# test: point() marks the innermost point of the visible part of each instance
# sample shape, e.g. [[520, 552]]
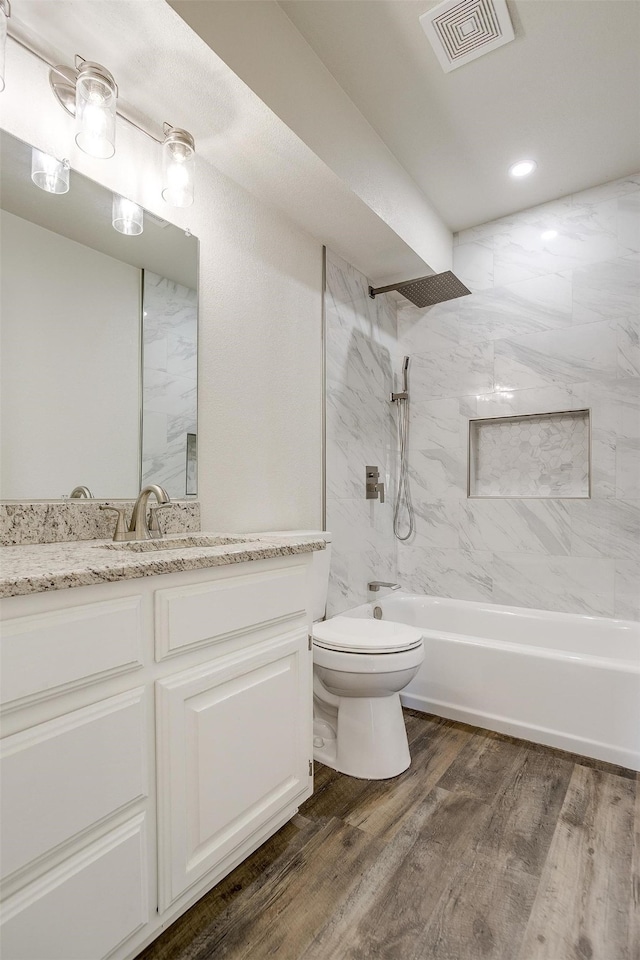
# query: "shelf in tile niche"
[[538, 455]]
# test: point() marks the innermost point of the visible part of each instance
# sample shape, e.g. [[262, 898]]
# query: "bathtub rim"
[[538, 612]]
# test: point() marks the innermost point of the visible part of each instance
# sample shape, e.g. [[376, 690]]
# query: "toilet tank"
[[318, 583], [319, 578]]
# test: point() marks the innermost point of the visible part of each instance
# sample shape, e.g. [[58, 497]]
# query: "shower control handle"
[[374, 488]]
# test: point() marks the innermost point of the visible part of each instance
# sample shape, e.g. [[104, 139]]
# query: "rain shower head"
[[426, 291]]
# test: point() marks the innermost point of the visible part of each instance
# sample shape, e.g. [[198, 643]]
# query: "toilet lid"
[[352, 635]]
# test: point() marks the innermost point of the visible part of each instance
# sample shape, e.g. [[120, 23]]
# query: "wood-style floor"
[[487, 848]]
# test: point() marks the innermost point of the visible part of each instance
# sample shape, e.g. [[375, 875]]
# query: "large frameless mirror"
[[99, 342]]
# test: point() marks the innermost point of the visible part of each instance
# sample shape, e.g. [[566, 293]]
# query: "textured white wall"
[[260, 315], [255, 38], [70, 366]]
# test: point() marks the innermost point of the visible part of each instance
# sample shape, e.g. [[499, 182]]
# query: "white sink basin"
[[173, 543]]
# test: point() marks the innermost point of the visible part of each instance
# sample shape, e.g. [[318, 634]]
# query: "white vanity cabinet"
[[155, 731]]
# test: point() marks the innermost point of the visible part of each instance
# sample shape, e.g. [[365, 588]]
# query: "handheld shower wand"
[[405, 383], [403, 495]]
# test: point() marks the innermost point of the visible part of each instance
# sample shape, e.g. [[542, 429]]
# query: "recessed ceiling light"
[[549, 234], [522, 168]]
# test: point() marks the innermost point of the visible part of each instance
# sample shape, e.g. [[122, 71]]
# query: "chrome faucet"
[[79, 492], [375, 585], [139, 528]]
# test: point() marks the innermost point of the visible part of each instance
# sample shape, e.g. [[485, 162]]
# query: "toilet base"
[[370, 741]]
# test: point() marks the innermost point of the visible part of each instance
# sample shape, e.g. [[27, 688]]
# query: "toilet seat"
[[355, 635]]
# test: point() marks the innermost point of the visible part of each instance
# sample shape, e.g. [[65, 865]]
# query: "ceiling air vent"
[[462, 30]]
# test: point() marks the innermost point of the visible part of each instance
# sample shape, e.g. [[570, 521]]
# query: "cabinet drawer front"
[[61, 777], [208, 612], [233, 750], [44, 653], [84, 908]]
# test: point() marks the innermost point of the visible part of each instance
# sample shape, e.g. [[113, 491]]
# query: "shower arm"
[[374, 291]]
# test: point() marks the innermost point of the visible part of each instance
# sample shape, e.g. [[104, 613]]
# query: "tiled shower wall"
[[553, 325], [361, 342]]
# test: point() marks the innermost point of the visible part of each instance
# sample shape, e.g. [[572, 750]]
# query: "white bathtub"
[[565, 680]]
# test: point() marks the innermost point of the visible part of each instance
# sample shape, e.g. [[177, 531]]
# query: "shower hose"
[[403, 515]]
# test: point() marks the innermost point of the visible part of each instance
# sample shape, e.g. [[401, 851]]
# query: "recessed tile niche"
[[544, 455]]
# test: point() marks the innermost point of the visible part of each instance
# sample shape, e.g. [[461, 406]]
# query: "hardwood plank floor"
[[582, 906], [487, 848]]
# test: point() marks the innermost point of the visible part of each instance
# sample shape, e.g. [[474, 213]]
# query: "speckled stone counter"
[[35, 568]]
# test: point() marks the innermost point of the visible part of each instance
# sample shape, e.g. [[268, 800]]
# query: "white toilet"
[[359, 668]]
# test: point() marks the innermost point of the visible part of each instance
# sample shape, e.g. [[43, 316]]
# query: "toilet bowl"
[[360, 667]]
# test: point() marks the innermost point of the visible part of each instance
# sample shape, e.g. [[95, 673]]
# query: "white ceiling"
[[565, 92]]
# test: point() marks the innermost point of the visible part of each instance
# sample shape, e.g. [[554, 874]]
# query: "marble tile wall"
[[553, 324], [361, 343], [170, 371]]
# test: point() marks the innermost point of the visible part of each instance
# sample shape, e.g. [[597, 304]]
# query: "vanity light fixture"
[[48, 173], [5, 13], [127, 216], [522, 168], [90, 94], [178, 166]]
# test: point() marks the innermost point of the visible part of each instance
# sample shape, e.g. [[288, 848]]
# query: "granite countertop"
[[35, 568]]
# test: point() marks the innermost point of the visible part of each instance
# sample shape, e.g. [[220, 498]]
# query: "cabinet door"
[[85, 907], [234, 742], [64, 776]]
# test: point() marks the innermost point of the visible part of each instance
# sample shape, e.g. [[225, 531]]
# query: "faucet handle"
[[154, 528], [120, 532]]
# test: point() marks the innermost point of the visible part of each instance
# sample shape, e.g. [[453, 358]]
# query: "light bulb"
[[522, 168], [178, 167], [48, 173], [96, 99], [127, 216]]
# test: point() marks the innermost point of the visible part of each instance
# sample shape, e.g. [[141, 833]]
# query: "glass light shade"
[[96, 98], [4, 16], [48, 173], [178, 168], [127, 216]]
